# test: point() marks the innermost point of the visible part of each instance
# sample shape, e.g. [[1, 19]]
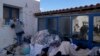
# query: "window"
[[64, 25], [96, 32], [41, 24], [6, 14], [80, 27], [9, 13], [52, 24]]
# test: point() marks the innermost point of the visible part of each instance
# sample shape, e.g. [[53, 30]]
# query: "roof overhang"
[[69, 10]]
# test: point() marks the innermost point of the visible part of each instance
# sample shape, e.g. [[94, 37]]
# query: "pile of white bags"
[[35, 49], [44, 39], [94, 51], [41, 40]]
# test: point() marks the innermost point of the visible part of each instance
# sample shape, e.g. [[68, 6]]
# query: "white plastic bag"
[[44, 38], [39, 37], [93, 52], [53, 51], [35, 49]]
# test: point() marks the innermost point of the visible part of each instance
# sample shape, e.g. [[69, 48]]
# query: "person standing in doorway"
[[77, 30], [18, 27], [84, 30], [99, 29], [96, 29]]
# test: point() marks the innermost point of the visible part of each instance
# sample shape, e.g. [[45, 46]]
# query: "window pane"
[[96, 33], [52, 24], [80, 27], [41, 24], [15, 13], [64, 25], [6, 14]]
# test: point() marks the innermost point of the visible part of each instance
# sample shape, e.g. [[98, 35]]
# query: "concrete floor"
[[18, 52]]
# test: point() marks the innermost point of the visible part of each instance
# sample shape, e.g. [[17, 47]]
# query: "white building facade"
[[23, 10]]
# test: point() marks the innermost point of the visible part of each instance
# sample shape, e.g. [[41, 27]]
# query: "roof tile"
[[68, 10]]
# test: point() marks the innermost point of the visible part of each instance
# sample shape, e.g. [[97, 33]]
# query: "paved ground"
[[18, 52]]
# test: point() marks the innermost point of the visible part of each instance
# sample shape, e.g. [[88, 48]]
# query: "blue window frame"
[[48, 21], [88, 42], [95, 42], [12, 12]]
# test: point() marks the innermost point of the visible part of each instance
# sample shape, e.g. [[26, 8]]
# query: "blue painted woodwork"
[[89, 43]]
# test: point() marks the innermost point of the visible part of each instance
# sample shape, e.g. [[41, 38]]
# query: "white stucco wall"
[[6, 37], [26, 16], [1, 10], [26, 13]]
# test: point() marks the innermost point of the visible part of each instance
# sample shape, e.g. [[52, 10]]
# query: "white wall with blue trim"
[[26, 15]]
